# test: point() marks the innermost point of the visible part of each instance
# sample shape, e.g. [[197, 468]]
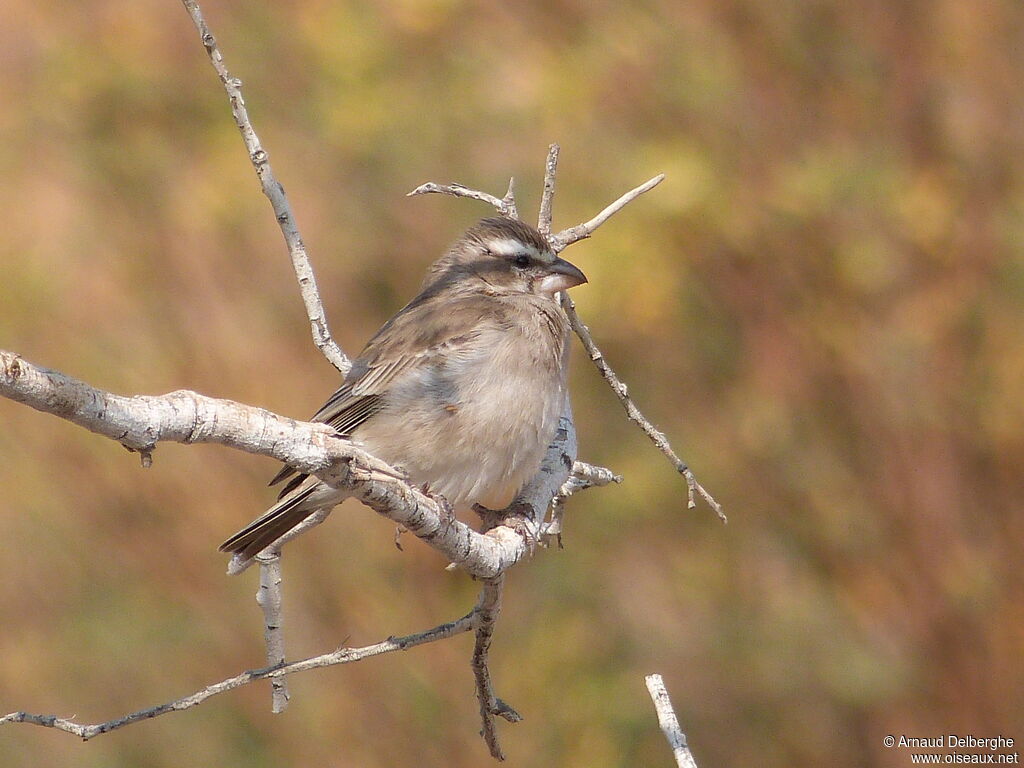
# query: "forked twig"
[[340, 656], [583, 476], [567, 237], [622, 393], [563, 240]]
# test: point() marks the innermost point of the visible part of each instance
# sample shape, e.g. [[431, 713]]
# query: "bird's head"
[[504, 256]]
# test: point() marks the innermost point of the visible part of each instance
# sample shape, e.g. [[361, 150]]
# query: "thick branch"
[[140, 422], [275, 193], [340, 656]]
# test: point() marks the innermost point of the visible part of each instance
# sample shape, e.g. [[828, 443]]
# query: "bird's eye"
[[522, 260]]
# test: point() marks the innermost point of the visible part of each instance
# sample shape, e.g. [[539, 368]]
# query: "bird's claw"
[[518, 516], [445, 506]]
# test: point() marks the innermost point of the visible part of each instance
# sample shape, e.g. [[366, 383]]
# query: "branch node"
[[503, 710]]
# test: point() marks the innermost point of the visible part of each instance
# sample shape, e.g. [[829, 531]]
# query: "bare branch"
[[487, 610], [275, 193], [140, 422], [567, 237], [505, 207], [550, 168], [269, 598], [510, 199], [622, 392], [583, 476], [669, 723], [269, 595], [340, 656]]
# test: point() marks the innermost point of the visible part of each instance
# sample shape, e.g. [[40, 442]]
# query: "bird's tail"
[[274, 523]]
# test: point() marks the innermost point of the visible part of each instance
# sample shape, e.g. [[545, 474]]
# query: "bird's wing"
[[423, 333]]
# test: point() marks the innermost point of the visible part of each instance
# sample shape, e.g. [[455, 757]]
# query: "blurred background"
[[822, 306]]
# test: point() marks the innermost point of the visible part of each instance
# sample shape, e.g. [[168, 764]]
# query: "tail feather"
[[286, 471], [271, 525], [291, 485]]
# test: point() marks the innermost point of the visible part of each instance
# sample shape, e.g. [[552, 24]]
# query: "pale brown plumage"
[[462, 389]]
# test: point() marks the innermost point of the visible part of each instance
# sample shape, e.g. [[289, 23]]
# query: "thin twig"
[[583, 476], [509, 199], [340, 656], [669, 723], [487, 610], [586, 475], [547, 196], [275, 193], [567, 237], [270, 599], [622, 392], [505, 207]]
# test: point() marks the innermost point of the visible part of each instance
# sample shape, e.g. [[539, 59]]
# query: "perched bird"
[[462, 389]]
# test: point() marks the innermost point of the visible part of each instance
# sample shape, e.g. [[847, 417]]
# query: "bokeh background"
[[823, 307]]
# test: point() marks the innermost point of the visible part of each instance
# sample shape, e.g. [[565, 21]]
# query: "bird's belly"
[[475, 435]]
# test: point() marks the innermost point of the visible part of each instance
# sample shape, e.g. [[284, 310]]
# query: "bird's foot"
[[445, 506], [518, 516]]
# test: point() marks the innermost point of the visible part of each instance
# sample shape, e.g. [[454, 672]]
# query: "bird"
[[461, 390]]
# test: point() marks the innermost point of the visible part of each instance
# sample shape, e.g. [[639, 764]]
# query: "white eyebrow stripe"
[[507, 246]]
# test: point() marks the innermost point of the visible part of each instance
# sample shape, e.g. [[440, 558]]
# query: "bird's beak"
[[560, 277]]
